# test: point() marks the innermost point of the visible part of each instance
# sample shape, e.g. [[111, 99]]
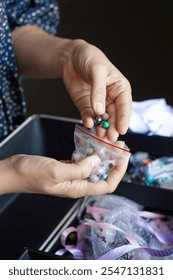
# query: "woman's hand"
[[37, 174], [95, 86], [93, 82]]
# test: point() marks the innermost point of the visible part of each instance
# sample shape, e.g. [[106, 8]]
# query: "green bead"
[[87, 216], [72, 237], [105, 125]]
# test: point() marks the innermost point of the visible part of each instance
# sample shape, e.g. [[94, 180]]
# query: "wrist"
[[8, 182]]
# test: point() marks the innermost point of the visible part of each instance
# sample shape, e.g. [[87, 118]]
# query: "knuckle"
[[54, 170], [83, 170], [74, 189], [84, 173], [128, 85], [99, 91]]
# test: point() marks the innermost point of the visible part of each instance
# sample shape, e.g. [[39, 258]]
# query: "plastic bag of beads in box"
[[149, 170], [111, 154], [112, 227]]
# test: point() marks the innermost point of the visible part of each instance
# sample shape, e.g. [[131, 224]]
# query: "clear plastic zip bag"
[[111, 154], [112, 227]]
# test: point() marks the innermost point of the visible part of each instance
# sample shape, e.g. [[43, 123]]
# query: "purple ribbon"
[[64, 236], [131, 240], [96, 212], [163, 237], [76, 253], [120, 251]]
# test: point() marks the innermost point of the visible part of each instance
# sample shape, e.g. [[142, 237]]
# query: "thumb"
[[79, 170]]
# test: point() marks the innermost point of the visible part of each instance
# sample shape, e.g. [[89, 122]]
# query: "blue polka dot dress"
[[14, 14]]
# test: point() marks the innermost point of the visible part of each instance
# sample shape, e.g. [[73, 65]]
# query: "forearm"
[[40, 55]]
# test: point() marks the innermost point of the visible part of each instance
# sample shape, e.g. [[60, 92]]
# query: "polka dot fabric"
[[14, 14]]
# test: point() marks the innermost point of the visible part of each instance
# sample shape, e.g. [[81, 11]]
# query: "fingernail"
[[99, 108], [96, 161]]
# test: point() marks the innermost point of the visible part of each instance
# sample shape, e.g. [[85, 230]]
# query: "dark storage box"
[[149, 196], [34, 221]]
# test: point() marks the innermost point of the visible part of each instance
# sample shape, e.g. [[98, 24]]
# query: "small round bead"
[[98, 120], [104, 176], [90, 151], [72, 238], [80, 141], [149, 180], [94, 178], [76, 157], [105, 125], [87, 216], [106, 116], [102, 153]]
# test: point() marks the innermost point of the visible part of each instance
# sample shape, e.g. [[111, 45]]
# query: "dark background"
[[136, 35]]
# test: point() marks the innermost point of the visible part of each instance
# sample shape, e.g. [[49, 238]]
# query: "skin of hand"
[[95, 85], [37, 174]]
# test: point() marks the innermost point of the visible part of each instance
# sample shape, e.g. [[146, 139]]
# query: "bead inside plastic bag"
[[121, 211], [111, 154], [149, 230]]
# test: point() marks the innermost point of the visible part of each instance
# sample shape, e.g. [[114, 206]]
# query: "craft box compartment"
[[34, 221], [151, 197]]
